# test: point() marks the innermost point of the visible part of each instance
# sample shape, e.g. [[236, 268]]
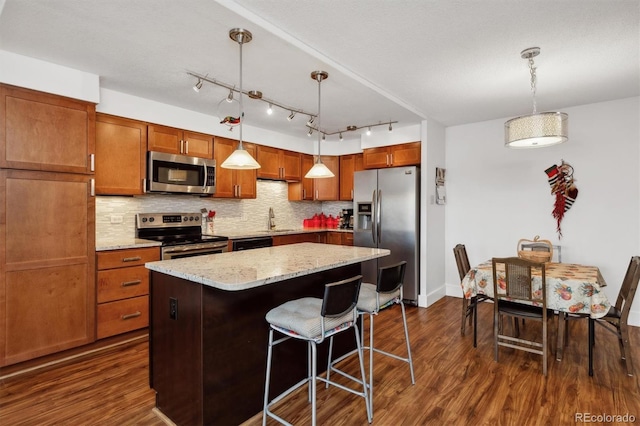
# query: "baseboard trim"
[[30, 366]]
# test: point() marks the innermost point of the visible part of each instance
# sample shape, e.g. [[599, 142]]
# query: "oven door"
[[190, 250]]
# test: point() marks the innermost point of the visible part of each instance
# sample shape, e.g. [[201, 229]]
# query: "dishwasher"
[[251, 243]]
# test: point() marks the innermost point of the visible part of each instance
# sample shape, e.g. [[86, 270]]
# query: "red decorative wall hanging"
[[562, 187]]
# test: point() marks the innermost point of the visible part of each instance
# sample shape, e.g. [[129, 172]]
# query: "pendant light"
[[240, 159], [319, 170], [537, 129]]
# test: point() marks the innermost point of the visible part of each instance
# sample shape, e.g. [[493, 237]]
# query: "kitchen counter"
[[103, 244], [243, 270], [252, 234], [208, 332]]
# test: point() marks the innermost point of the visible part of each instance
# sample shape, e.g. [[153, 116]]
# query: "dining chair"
[[469, 306], [313, 320], [616, 318], [515, 295]]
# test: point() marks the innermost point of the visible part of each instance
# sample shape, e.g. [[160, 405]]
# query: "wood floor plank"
[[455, 383]]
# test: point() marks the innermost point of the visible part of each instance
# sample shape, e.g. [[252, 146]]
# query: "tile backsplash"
[[115, 216]]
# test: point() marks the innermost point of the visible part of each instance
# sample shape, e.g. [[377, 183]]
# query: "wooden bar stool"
[[313, 320], [372, 300]]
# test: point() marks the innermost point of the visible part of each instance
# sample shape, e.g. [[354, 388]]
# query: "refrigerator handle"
[[379, 220], [374, 206]]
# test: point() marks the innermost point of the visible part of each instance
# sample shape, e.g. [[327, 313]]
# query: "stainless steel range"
[[179, 233]]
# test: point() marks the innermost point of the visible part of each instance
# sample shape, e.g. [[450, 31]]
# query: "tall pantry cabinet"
[[47, 225]]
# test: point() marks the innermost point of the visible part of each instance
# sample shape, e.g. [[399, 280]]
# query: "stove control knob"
[[144, 219], [190, 218], [151, 219], [196, 218], [184, 219]]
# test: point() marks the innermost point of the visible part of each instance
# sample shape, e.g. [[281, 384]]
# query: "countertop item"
[[284, 231], [234, 271], [103, 244]]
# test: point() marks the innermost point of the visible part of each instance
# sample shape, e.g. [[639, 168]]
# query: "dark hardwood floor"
[[455, 383]]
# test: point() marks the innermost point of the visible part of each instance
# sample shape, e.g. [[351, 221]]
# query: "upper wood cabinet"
[[177, 141], [326, 189], [406, 154], [121, 150], [349, 164], [40, 131], [278, 164], [233, 183]]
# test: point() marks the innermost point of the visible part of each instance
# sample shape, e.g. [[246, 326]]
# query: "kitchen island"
[[208, 335]]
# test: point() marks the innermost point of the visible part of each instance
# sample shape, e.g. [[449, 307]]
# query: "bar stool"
[[372, 300], [313, 320]]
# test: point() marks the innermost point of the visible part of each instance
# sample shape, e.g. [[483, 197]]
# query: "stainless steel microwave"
[[180, 174]]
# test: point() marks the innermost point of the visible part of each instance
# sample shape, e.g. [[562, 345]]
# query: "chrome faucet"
[[272, 223]]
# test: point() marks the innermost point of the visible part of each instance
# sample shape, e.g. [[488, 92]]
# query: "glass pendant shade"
[[319, 170], [536, 130], [240, 159]]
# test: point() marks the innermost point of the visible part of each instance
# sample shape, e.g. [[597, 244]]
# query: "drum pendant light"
[[319, 170], [537, 129], [240, 159]]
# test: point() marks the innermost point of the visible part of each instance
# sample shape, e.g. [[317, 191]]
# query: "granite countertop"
[[103, 244], [241, 270], [252, 234], [110, 243]]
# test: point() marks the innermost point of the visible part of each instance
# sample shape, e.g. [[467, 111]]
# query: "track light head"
[[368, 131], [290, 117], [270, 109], [311, 120], [390, 128], [230, 96], [198, 85], [310, 132], [341, 138]]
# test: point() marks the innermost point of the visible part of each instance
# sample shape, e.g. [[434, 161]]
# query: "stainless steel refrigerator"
[[386, 206]]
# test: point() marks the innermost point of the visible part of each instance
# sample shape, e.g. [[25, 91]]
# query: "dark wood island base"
[[208, 346]]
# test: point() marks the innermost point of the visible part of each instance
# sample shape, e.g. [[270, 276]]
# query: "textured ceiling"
[[453, 61]]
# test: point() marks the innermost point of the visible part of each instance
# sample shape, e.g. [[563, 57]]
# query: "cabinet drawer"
[[129, 257], [122, 283], [347, 239], [122, 316]]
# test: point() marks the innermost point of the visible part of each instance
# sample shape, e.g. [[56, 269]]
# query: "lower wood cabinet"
[[123, 290], [340, 238], [307, 237]]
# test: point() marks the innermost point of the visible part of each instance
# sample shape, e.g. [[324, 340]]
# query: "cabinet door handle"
[[131, 259], [239, 191], [186, 147], [304, 194], [130, 316], [316, 194], [181, 146], [92, 187], [130, 283], [352, 193], [391, 163], [92, 162]]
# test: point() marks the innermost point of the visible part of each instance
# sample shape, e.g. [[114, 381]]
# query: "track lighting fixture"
[[369, 131], [257, 95], [198, 85], [390, 128], [341, 138], [324, 137]]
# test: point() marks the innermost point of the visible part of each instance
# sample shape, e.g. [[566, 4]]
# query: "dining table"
[[571, 288]]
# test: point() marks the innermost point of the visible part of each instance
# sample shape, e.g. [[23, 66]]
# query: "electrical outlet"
[[117, 218], [173, 308]]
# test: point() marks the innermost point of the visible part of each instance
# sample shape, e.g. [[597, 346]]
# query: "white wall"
[[495, 195], [432, 230]]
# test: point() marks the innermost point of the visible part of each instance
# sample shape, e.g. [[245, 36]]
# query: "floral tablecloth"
[[570, 287]]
